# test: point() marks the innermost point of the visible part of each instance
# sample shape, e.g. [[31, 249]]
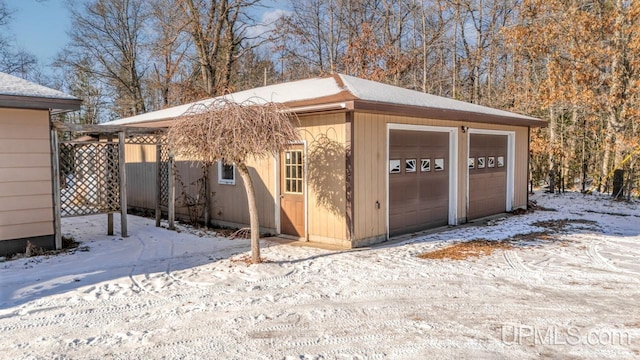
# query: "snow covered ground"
[[181, 295]]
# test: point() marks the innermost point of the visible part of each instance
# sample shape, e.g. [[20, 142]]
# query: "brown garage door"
[[487, 175], [418, 180]]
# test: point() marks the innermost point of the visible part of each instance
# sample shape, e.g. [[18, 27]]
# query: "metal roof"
[[353, 93]]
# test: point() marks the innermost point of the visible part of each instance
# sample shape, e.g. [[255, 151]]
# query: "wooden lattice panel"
[[164, 175], [89, 178], [151, 139]]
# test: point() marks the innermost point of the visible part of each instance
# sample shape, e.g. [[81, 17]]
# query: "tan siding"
[[25, 188], [26, 204], [26, 230], [19, 146], [325, 138], [17, 217], [141, 175], [228, 203], [370, 167], [9, 203], [25, 174], [25, 160]]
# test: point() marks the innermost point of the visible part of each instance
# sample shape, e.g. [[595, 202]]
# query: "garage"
[[488, 159], [419, 174]]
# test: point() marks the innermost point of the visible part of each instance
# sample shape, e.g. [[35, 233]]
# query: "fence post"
[[158, 182], [57, 209], [172, 193], [110, 214], [123, 184]]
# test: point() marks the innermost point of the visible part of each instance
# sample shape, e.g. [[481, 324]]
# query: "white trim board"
[[511, 163], [453, 166]]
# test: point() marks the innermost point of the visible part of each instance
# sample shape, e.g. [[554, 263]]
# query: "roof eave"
[[55, 105], [445, 114]]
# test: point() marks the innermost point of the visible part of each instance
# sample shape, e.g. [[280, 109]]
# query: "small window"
[[425, 165], [472, 163], [500, 161], [481, 162], [294, 173], [394, 166], [439, 164], [410, 165], [226, 173], [491, 161]]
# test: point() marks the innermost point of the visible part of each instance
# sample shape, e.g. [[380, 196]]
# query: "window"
[[226, 173], [491, 161], [425, 165], [439, 164], [500, 161], [481, 162], [394, 166], [294, 176], [409, 165], [472, 163]]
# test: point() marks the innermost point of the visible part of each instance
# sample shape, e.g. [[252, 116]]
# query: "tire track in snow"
[[514, 261]]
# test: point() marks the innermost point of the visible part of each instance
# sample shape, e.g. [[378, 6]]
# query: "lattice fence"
[[89, 178], [164, 175]]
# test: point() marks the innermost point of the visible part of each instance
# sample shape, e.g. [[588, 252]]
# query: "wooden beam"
[[123, 184], [106, 129], [109, 215], [172, 194], [55, 168], [158, 183]]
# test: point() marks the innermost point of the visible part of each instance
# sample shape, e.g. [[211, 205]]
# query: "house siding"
[[26, 200], [370, 142]]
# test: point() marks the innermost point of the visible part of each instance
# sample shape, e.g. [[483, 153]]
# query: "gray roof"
[[19, 93]]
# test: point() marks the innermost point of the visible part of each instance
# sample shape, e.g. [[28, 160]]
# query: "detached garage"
[[375, 161], [26, 191]]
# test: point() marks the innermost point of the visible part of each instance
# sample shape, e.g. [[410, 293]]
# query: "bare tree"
[[234, 133], [217, 29], [110, 33]]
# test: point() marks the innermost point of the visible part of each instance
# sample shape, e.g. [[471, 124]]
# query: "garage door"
[[487, 175], [418, 180]]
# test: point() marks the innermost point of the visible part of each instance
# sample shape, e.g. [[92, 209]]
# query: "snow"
[[279, 93], [15, 86], [188, 294], [379, 92], [327, 87]]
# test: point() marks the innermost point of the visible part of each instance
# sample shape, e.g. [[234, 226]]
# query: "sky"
[[40, 27]]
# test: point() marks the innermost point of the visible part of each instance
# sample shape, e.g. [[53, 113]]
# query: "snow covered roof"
[[350, 92], [19, 93]]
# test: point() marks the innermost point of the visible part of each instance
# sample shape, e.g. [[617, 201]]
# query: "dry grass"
[[483, 247], [465, 250]]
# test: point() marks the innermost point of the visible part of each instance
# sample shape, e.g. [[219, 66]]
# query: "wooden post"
[[172, 194], [109, 215], [158, 183], [57, 209], [123, 184], [207, 200]]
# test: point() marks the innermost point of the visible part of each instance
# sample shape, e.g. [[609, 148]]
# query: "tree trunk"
[[253, 213]]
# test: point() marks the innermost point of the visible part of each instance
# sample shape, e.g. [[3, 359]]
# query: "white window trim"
[[226, 181], [453, 165], [510, 163]]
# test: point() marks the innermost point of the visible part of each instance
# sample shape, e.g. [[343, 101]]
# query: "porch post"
[[123, 184]]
